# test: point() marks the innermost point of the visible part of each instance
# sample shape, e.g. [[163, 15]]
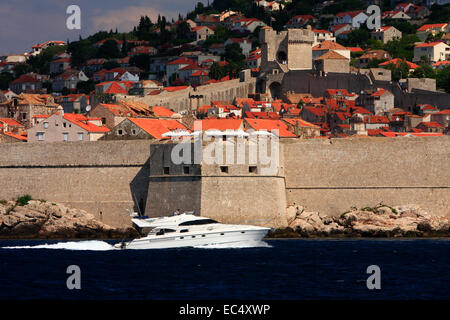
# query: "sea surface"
[[273, 270]]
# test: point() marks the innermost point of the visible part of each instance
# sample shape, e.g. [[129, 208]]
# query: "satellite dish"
[[88, 108]]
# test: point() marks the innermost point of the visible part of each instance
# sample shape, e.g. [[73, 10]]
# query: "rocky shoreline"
[[381, 221], [37, 219]]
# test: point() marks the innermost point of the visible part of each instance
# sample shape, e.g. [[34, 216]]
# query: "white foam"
[[237, 245], [91, 245]]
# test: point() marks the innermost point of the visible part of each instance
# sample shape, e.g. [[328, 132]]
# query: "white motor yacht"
[[188, 230]]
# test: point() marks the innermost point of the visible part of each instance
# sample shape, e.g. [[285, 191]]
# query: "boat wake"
[[237, 245], [95, 245], [91, 245]]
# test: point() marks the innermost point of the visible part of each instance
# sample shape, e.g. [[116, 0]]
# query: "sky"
[[24, 23]]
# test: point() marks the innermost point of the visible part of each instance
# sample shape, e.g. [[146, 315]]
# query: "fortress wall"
[[175, 190], [325, 175], [179, 100], [256, 200], [99, 177], [332, 175]]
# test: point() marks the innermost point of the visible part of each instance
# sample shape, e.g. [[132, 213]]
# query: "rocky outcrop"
[[379, 221], [40, 219]]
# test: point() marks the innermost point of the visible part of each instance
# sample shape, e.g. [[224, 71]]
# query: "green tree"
[[217, 72], [439, 13], [65, 91], [86, 87], [47, 85], [424, 71], [5, 79], [142, 61], [357, 37], [443, 79], [41, 62], [110, 65], [22, 68], [399, 71], [109, 50], [403, 48], [183, 30], [81, 51]]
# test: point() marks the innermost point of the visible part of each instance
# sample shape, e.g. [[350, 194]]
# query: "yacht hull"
[[198, 239]]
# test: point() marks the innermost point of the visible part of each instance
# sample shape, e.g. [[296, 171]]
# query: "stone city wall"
[[330, 176]]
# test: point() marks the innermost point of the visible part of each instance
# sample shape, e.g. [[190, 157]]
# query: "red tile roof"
[[278, 127], [301, 122], [25, 79], [376, 119], [116, 89], [350, 13], [426, 27], [431, 124], [447, 111], [16, 136], [430, 44], [218, 124], [163, 112], [182, 60], [82, 122], [11, 122], [397, 61], [157, 127]]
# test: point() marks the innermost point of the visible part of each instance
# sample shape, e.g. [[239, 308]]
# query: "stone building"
[[332, 62], [28, 83], [363, 61], [442, 117], [144, 87], [286, 50], [67, 127], [143, 128], [376, 102], [25, 106], [73, 103], [386, 34], [111, 114], [327, 46]]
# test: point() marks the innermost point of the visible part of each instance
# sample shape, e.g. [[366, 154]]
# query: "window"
[[24, 115], [66, 136], [120, 132], [103, 121], [197, 222], [166, 170], [64, 124], [186, 170], [80, 136], [224, 169], [133, 132], [40, 136], [252, 169], [45, 125]]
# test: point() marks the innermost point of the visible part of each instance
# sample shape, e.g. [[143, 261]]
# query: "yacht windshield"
[[198, 222]]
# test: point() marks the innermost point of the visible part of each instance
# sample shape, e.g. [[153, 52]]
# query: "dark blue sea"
[[280, 270]]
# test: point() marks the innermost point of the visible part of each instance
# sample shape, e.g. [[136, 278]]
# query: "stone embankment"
[[37, 219], [379, 221]]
